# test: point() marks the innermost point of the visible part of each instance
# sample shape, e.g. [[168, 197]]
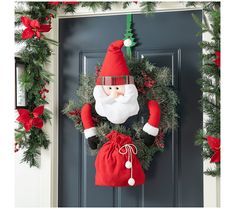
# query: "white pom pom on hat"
[[127, 42]]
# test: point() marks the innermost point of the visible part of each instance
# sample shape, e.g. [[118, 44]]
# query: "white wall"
[[27, 184], [38, 187]]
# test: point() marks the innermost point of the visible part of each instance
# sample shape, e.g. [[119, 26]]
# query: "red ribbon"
[[217, 60], [214, 144], [33, 27], [28, 121]]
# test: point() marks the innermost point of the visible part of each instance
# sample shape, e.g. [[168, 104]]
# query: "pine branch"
[[148, 7], [97, 5], [203, 26], [125, 4], [69, 8]]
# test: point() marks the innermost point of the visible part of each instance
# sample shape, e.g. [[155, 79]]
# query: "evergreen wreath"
[[152, 83]]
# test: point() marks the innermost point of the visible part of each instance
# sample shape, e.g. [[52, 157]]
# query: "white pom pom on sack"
[[131, 181], [127, 42], [128, 164]]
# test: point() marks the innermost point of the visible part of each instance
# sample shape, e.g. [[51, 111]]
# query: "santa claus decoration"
[[116, 96]]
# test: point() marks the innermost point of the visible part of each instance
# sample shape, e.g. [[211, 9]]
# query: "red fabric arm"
[[87, 116], [154, 113]]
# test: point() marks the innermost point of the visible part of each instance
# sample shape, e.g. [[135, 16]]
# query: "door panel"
[[170, 58], [175, 176]]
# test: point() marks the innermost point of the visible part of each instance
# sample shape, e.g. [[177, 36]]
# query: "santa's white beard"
[[117, 110]]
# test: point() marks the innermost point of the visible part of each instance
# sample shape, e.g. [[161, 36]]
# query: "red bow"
[[28, 121], [75, 112], [148, 81], [217, 60], [33, 27], [214, 144]]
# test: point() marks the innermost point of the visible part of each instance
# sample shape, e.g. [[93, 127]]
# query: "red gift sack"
[[117, 163]]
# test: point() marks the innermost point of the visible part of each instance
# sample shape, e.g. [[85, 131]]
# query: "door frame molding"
[[49, 158]]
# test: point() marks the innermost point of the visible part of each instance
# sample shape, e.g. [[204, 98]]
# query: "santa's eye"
[[110, 88], [117, 88]]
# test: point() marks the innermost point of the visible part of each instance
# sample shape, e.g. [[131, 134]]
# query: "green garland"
[[210, 81], [35, 54], [153, 83]]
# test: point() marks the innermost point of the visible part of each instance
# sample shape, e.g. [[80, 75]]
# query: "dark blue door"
[[175, 177]]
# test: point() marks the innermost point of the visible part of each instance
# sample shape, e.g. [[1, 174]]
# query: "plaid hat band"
[[114, 80]]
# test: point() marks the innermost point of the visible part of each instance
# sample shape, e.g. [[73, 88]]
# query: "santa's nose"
[[114, 93]]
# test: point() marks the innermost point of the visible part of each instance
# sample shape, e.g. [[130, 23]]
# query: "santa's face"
[[116, 103]]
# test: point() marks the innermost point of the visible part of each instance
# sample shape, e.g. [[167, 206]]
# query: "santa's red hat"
[[114, 70]]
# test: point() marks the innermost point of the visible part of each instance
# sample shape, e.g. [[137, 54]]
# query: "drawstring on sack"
[[129, 149]]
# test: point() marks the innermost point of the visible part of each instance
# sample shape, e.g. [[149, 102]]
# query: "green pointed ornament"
[[129, 40]]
